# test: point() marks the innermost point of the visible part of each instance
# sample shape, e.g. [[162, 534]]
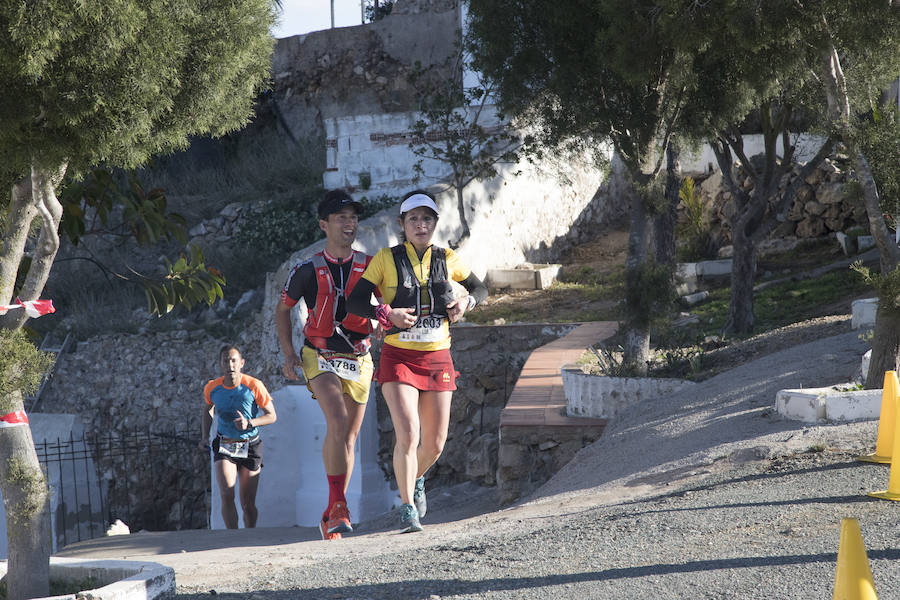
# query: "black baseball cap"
[[335, 201]]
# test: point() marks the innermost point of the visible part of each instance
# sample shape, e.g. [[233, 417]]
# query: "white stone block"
[[864, 365], [800, 405], [714, 268], [864, 242], [537, 278], [863, 312], [695, 298], [828, 404], [860, 405]]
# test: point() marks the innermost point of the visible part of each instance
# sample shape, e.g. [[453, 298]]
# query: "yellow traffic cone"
[[853, 577], [893, 491], [886, 421]]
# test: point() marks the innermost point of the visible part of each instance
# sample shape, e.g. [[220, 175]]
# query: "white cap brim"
[[417, 200]]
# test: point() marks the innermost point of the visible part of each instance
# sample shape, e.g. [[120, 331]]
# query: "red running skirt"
[[424, 370]]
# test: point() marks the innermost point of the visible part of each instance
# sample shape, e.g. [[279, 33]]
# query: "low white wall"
[[293, 489], [603, 397]]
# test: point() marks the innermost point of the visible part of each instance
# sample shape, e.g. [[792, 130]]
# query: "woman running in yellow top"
[[415, 369]]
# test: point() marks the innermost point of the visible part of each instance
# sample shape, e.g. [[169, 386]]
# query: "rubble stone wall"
[[823, 205]]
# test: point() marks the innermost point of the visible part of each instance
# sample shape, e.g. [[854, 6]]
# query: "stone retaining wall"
[[822, 206], [489, 360]]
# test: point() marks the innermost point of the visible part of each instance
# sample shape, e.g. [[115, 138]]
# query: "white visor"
[[417, 200]]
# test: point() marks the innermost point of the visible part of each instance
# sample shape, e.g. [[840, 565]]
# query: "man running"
[[241, 405], [335, 357]]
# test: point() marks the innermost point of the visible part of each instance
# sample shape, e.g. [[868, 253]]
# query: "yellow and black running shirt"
[[382, 272]]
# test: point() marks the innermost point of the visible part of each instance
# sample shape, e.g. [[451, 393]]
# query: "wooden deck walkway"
[[538, 398], [537, 438]]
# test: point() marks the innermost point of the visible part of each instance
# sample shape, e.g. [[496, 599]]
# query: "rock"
[[830, 193], [810, 227], [118, 528], [232, 211], [814, 208]]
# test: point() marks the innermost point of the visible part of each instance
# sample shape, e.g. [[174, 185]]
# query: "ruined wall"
[[358, 70]]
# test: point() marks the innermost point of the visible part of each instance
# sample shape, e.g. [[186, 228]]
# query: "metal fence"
[[150, 480]]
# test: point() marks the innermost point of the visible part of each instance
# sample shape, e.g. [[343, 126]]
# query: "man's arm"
[[206, 420], [292, 362], [267, 418]]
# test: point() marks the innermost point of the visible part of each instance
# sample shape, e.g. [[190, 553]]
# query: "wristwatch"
[[471, 302]]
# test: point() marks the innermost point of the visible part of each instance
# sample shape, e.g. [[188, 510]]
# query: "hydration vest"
[[321, 323], [409, 290]]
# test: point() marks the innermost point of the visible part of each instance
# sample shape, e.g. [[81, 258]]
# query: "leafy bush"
[[695, 242], [879, 140], [22, 366]]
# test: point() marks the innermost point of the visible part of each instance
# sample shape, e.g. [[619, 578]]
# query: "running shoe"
[[323, 529], [409, 517], [419, 497], [339, 518]]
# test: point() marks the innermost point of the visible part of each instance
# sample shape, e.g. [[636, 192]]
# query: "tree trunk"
[[740, 317], [887, 248], [37, 196], [26, 499], [885, 347], [664, 221], [22, 212], [22, 482], [461, 209], [637, 339]]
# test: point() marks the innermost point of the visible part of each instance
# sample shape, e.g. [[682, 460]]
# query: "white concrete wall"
[[51, 428], [378, 145], [525, 207], [806, 147], [293, 488]]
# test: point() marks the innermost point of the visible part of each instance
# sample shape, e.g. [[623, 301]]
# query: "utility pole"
[[332, 14]]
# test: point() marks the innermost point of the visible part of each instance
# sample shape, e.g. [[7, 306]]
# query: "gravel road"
[[705, 494]]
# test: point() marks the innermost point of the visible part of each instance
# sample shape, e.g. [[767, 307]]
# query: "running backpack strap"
[[438, 269], [440, 288]]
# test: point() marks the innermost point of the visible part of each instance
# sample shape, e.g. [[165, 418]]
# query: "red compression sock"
[[336, 488]]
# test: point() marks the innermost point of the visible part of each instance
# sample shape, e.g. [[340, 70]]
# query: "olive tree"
[[87, 84], [605, 70]]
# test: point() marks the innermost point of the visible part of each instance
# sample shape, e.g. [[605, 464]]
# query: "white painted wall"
[[806, 147], [293, 488], [51, 428]]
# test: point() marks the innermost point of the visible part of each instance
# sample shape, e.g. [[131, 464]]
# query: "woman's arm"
[[477, 293], [475, 287], [359, 302]]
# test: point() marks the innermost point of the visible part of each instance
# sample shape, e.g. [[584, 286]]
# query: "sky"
[[303, 16]]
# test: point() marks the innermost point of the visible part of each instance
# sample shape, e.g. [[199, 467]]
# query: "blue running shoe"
[[409, 517], [419, 497]]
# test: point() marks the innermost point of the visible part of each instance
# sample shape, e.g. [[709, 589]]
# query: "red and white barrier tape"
[[33, 308], [14, 419]]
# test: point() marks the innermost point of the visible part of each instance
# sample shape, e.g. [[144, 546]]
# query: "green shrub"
[[695, 244], [22, 366]]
